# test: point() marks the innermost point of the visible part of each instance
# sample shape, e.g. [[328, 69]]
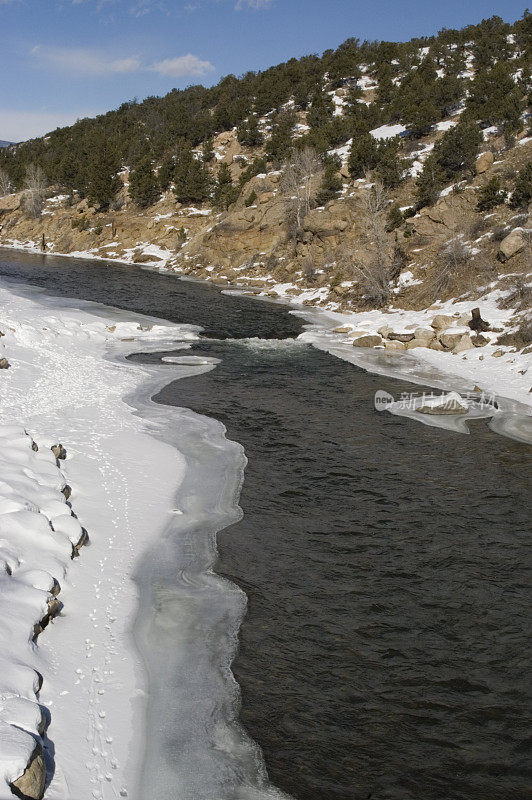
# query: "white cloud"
[[16, 126], [182, 66], [256, 4], [80, 61]]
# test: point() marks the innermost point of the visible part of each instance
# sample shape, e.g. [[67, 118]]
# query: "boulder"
[[31, 783], [425, 334], [401, 337], [511, 245], [384, 330], [371, 340], [342, 329], [484, 162], [465, 343], [417, 343], [445, 405], [497, 353], [389, 345], [450, 339], [4, 363], [436, 345], [479, 340], [441, 322]]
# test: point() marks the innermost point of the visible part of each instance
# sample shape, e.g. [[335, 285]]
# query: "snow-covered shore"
[[60, 386]]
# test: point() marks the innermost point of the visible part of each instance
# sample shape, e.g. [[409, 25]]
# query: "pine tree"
[[249, 133], [103, 182], [225, 193], [331, 184], [522, 193], [363, 155], [143, 184], [191, 179], [165, 173], [207, 150], [491, 195]]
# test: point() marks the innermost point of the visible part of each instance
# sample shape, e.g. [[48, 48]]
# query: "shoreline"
[[428, 367], [94, 684]]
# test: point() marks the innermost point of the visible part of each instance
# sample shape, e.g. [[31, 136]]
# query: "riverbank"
[[500, 370], [61, 386]]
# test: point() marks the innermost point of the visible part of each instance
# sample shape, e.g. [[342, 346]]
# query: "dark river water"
[[385, 650]]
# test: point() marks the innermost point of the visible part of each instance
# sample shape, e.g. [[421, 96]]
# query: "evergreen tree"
[[394, 218], [331, 184], [191, 179], [225, 193], [144, 187], [321, 109], [279, 144], [165, 173], [207, 150], [491, 195], [103, 182], [249, 133], [522, 193], [363, 155], [495, 98], [389, 167]]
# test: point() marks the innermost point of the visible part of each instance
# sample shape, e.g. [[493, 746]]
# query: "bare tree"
[[34, 190], [5, 183], [297, 181], [374, 277], [451, 258]]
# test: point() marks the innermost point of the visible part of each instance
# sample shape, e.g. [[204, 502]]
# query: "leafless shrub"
[[297, 182], [519, 296], [452, 256], [34, 190], [500, 232], [480, 226], [373, 277], [522, 337], [5, 184], [309, 269]]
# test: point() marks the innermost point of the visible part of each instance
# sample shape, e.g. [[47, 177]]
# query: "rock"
[[265, 197], [444, 405], [30, 785], [450, 339], [4, 363], [465, 343], [389, 345], [356, 334], [384, 330], [484, 162], [479, 340], [511, 245], [371, 340], [476, 323], [342, 329], [83, 539], [67, 491], [441, 322], [497, 353], [59, 451], [144, 258], [417, 343], [436, 345], [401, 337], [425, 334]]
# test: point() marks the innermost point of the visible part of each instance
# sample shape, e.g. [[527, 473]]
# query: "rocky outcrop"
[[511, 245], [371, 340], [30, 785], [484, 162]]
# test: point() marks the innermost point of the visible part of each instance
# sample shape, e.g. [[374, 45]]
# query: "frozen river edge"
[[69, 381]]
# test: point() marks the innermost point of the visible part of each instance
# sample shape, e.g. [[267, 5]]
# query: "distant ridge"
[[5, 144]]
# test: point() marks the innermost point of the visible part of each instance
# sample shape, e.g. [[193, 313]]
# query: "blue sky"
[[64, 59]]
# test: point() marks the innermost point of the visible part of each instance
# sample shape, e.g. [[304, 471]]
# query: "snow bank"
[[35, 550], [67, 382]]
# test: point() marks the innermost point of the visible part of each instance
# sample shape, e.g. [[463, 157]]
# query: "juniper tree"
[[522, 193], [225, 193], [144, 187], [191, 179], [491, 195]]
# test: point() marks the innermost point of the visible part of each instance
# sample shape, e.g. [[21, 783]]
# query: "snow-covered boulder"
[[445, 404]]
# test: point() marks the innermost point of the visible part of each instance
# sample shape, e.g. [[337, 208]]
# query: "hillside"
[[378, 175], [5, 144]]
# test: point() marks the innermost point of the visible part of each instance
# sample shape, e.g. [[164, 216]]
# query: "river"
[[385, 564]]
